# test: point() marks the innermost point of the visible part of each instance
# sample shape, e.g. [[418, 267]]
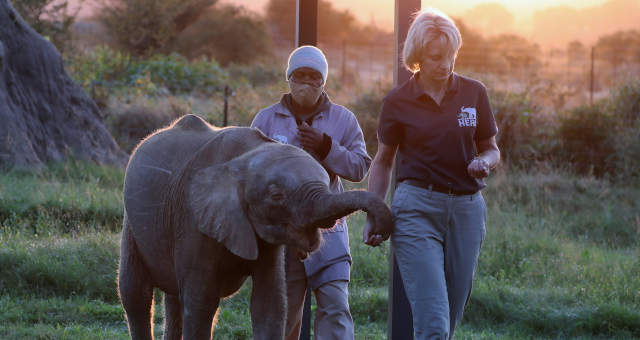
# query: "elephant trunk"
[[330, 207]]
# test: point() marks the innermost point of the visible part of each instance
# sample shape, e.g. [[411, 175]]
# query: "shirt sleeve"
[[348, 157], [487, 127], [389, 129], [259, 122]]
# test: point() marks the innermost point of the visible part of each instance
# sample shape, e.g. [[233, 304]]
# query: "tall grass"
[[560, 260]]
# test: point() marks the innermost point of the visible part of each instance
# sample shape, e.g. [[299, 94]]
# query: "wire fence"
[[574, 76]]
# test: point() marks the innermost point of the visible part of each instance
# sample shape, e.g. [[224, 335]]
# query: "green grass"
[[560, 260]]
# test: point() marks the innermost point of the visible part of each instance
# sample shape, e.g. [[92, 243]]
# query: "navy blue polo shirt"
[[437, 142]]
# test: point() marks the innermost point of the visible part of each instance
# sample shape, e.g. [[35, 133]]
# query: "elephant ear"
[[214, 194]]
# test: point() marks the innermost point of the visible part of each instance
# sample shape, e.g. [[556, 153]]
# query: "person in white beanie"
[[306, 117]]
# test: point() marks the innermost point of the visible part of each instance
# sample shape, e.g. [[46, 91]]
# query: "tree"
[[334, 26], [51, 18], [144, 27], [619, 47], [473, 53], [45, 115], [518, 52], [491, 18], [227, 33], [576, 51]]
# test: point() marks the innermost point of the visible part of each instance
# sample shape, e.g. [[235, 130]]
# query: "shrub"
[[104, 71], [50, 18], [366, 107], [146, 27], [177, 74], [523, 132], [625, 109], [584, 135], [132, 122], [256, 75], [227, 33]]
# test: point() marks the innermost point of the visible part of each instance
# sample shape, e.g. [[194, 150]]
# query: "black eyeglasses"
[[313, 78]]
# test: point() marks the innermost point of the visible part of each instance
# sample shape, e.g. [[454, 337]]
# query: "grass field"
[[561, 260]]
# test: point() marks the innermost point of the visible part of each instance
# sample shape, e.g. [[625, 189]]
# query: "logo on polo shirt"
[[280, 138], [467, 117]]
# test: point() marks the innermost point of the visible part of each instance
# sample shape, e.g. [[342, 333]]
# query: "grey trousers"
[[437, 240], [333, 319]]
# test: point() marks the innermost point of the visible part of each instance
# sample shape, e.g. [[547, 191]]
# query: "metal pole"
[[400, 319], [591, 77], [226, 104], [306, 34], [307, 22]]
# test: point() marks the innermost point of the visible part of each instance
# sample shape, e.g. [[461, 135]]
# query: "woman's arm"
[[379, 178], [487, 159]]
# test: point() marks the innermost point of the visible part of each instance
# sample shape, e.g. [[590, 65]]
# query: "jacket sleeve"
[[348, 156], [259, 121]]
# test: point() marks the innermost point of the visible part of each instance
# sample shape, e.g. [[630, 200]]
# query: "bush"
[[256, 75], [177, 74], [132, 122], [147, 27], [228, 33], [366, 107], [104, 71], [625, 108], [584, 134], [523, 133], [50, 18]]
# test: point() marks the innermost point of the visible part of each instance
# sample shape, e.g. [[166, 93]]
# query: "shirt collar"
[[414, 90], [283, 110]]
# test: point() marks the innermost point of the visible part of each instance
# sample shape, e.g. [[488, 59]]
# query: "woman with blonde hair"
[[441, 127]]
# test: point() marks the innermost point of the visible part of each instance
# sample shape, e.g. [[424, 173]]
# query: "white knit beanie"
[[308, 56]]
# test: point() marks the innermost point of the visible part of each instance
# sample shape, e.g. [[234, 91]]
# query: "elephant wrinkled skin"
[[205, 208]]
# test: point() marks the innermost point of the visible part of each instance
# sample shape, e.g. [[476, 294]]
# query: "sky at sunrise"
[[548, 22], [382, 10]]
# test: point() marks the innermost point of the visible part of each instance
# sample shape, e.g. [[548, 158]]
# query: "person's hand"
[[370, 238], [310, 138], [301, 254], [478, 168]]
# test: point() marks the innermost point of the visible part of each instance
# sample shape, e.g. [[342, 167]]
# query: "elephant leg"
[[135, 287], [200, 304], [172, 317], [268, 299]]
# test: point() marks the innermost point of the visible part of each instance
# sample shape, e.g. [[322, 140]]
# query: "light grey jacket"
[[347, 158]]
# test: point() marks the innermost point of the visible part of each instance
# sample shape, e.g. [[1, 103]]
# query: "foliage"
[[226, 33], [130, 123], [334, 26], [104, 69], [146, 27], [584, 135], [524, 134], [366, 107], [602, 138], [257, 75], [625, 107], [619, 47], [501, 54], [51, 18]]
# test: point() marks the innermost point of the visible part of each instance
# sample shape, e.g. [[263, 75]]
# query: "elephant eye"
[[275, 193]]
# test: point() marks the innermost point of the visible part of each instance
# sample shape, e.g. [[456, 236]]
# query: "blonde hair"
[[429, 25]]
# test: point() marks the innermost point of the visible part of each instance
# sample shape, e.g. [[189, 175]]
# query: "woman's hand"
[[478, 168], [487, 159], [370, 239]]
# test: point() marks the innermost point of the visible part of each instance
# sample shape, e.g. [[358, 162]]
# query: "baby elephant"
[[205, 208]]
